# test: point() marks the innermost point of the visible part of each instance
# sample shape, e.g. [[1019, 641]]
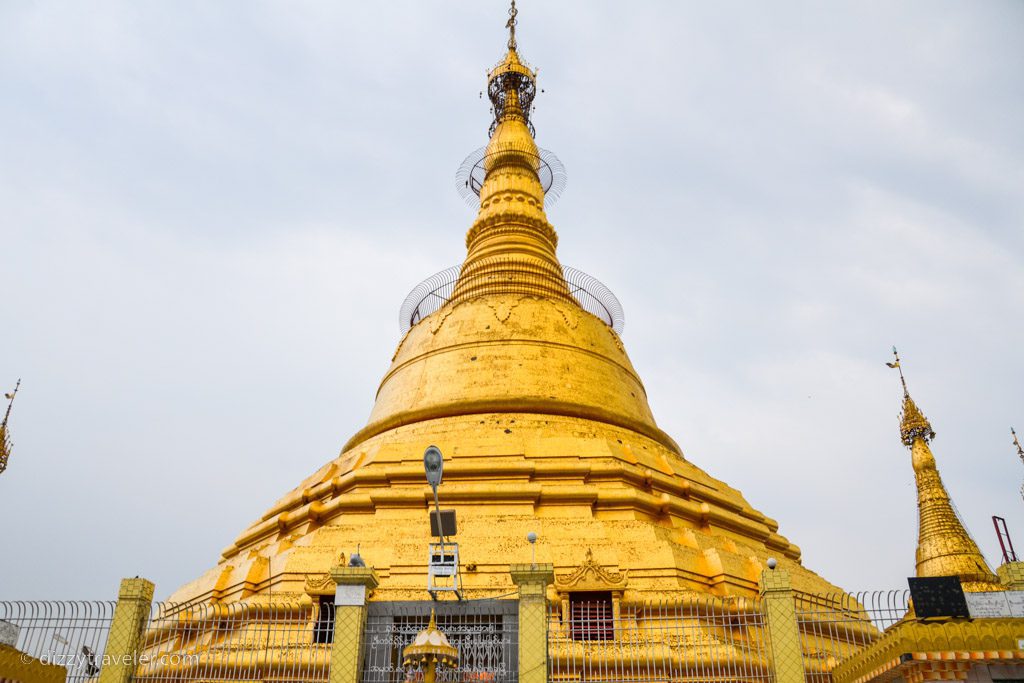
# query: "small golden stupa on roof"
[[944, 548], [514, 366]]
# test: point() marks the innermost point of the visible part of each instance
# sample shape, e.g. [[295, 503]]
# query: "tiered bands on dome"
[[510, 278]]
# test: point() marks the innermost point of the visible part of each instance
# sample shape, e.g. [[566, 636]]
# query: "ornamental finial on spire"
[[896, 364], [511, 25], [1020, 451], [913, 423], [511, 84]]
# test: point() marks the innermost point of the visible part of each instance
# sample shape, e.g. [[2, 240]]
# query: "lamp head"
[[433, 464]]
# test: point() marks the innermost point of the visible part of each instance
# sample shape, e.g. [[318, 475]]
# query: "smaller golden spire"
[[1020, 451], [913, 423], [944, 548], [5, 440]]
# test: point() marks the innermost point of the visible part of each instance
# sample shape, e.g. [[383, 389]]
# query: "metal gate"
[[484, 631]]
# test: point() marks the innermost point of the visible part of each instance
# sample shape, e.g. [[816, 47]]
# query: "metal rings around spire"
[[469, 178], [434, 292]]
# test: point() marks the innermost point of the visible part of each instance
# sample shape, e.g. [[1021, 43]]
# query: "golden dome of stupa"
[[544, 424]]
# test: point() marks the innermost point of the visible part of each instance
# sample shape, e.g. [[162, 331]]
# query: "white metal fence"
[[835, 626], [282, 641], [698, 638], [68, 633]]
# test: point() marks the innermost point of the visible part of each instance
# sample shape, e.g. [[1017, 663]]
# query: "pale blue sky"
[[211, 212]]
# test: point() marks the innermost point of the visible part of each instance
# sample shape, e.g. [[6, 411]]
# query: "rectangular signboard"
[[987, 605], [1015, 599]]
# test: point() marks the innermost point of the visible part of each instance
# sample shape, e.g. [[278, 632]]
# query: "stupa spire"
[[511, 245], [5, 439], [944, 548]]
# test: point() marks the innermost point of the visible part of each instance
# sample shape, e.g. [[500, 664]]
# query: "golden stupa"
[[544, 425], [944, 548]]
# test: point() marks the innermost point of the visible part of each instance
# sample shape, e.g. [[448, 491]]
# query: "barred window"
[[591, 616], [323, 630]]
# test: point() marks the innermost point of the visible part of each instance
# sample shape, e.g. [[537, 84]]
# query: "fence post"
[[783, 630], [1011, 575], [353, 587], [533, 581], [120, 656]]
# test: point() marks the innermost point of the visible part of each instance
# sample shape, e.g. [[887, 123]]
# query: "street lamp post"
[[443, 558], [433, 464]]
